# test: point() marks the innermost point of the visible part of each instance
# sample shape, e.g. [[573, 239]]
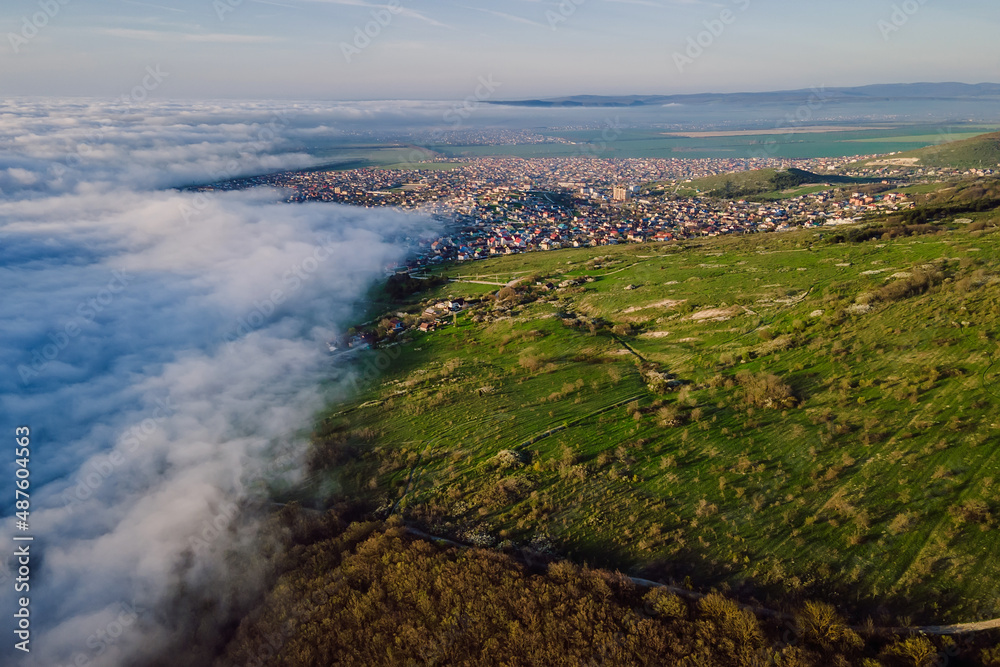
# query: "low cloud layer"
[[162, 360]]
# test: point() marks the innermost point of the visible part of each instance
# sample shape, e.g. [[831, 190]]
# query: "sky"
[[443, 49]]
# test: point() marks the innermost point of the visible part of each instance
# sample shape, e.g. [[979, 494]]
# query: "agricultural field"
[[979, 152], [360, 156], [792, 144]]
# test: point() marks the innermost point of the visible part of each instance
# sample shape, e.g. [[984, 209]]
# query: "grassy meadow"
[[643, 143], [780, 416]]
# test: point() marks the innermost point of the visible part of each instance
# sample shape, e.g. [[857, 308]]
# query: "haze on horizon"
[[436, 49]]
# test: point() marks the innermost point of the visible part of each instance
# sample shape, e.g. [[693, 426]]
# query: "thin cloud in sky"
[[163, 36], [149, 4], [403, 11], [508, 17], [645, 3], [276, 4]]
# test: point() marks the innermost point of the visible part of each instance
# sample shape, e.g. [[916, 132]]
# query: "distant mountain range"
[[873, 93]]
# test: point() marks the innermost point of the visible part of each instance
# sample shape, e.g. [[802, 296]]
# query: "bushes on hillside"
[[917, 283], [766, 390], [912, 652], [393, 600], [372, 594], [821, 626]]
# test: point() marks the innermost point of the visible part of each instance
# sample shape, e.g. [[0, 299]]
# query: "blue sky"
[[438, 49]]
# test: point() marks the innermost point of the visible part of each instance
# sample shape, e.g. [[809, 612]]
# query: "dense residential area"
[[507, 205]]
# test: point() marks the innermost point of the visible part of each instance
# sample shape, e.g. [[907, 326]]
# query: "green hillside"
[[762, 183], [982, 152], [810, 414]]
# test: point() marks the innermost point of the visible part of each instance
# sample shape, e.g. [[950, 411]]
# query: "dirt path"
[[477, 282], [939, 630], [563, 427]]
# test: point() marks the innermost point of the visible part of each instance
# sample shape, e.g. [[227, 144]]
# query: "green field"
[[361, 156], [928, 139], [832, 432], [633, 143], [979, 152], [762, 184], [759, 179]]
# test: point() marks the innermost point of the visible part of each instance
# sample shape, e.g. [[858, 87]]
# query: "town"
[[506, 205]]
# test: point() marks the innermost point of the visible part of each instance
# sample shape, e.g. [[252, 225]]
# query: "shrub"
[[671, 416], [765, 390], [506, 294], [735, 624], [531, 363], [772, 345], [662, 603], [971, 511], [918, 283], [913, 652], [820, 624], [507, 459], [990, 657], [902, 523]]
